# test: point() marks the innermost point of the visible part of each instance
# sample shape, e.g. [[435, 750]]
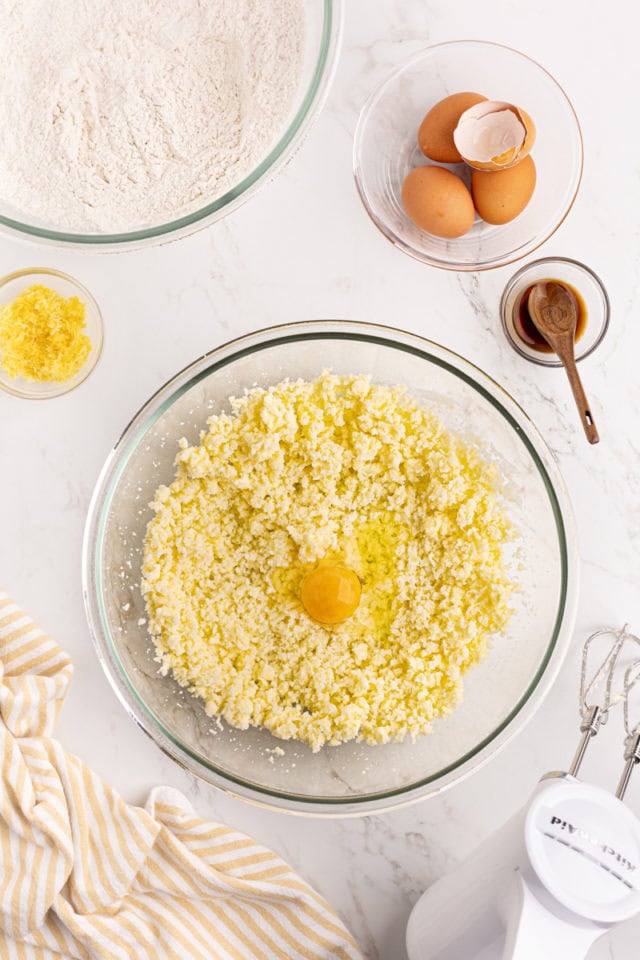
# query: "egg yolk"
[[331, 594]]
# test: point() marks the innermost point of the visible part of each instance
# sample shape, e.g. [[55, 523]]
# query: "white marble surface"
[[305, 248]]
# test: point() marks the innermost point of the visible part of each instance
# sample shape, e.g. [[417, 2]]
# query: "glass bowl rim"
[[583, 268], [282, 150], [97, 344], [116, 462], [504, 260]]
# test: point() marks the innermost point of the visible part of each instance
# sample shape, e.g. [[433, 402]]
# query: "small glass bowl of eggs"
[[437, 207]]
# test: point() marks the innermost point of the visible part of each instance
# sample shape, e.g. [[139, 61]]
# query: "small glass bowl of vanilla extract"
[[591, 302]]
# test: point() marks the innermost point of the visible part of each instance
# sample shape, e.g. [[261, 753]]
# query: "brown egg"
[[438, 201], [499, 197], [435, 136]]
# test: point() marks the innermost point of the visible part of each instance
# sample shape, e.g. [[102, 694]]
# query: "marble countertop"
[[304, 248]]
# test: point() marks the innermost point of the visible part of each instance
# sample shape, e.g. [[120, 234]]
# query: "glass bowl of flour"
[[129, 124]]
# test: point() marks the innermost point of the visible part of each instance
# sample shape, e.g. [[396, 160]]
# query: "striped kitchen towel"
[[85, 875]]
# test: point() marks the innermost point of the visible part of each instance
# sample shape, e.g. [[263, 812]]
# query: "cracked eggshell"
[[494, 135]]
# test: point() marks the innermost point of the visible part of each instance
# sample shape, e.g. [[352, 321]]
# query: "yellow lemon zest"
[[41, 335]]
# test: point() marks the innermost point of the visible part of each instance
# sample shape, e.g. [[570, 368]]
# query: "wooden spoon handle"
[[580, 397]]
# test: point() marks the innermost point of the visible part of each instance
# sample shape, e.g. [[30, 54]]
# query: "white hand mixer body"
[[544, 887], [559, 874]]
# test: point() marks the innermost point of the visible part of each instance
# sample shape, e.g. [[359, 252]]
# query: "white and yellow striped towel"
[[85, 875]]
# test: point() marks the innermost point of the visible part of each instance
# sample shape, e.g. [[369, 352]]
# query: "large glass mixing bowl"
[[323, 24], [500, 695]]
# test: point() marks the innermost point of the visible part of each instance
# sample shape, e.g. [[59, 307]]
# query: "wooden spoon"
[[553, 310]]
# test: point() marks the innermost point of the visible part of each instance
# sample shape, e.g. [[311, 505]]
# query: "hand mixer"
[[563, 870]]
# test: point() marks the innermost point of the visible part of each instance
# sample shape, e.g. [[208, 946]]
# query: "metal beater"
[[601, 684]]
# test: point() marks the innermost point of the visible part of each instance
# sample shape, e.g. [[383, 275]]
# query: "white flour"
[[116, 114]]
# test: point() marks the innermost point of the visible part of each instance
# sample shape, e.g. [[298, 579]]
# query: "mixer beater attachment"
[[632, 742], [607, 679]]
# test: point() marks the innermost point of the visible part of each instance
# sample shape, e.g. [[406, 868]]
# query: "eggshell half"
[[435, 136], [500, 197], [494, 135]]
